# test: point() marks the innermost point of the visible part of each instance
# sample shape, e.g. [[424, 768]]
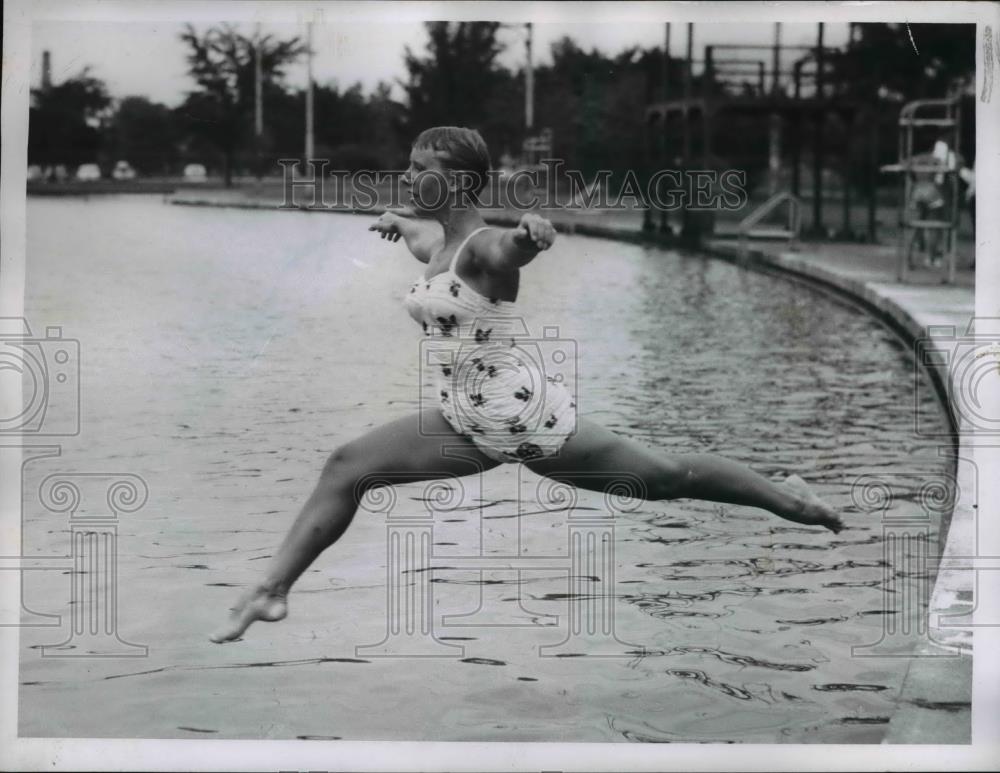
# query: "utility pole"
[[529, 82], [690, 60], [309, 92], [663, 147], [820, 115], [258, 105], [774, 120], [776, 59], [686, 116], [666, 63], [46, 71], [258, 87]]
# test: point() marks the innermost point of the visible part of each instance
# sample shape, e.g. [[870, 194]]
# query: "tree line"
[[593, 102]]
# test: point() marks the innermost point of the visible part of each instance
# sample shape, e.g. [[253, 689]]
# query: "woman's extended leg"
[[595, 458], [403, 451]]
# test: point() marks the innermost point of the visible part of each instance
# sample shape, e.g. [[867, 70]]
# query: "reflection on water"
[[225, 353]]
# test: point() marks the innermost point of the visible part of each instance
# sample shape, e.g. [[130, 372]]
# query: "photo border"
[[101, 754]]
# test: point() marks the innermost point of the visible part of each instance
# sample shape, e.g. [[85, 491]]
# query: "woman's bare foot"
[[259, 603], [813, 511]]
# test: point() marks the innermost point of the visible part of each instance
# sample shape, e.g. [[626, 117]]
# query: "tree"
[[145, 134], [902, 62], [64, 122], [594, 104], [453, 83], [387, 117], [222, 63], [891, 64], [352, 131]]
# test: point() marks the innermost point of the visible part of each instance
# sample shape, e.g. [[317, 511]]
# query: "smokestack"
[[46, 71]]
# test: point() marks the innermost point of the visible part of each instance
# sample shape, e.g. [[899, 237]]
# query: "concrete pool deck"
[[934, 703]]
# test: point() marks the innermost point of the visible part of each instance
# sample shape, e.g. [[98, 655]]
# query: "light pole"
[[258, 104], [686, 139], [666, 63], [774, 120], [817, 217], [529, 81], [529, 75], [258, 87], [309, 92]]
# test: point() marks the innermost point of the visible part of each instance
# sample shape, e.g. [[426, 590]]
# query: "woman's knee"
[[671, 479], [348, 472], [340, 470]]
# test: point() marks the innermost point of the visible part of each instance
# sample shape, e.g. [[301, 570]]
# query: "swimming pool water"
[[225, 353]]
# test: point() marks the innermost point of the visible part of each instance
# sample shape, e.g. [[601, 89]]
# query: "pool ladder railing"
[[750, 228]]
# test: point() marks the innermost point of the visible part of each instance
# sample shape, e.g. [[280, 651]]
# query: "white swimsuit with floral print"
[[490, 378]]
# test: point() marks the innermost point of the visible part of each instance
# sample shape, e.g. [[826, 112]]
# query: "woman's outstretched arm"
[[423, 237], [518, 246]]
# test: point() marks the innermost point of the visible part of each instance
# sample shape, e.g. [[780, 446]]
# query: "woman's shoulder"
[[484, 246]]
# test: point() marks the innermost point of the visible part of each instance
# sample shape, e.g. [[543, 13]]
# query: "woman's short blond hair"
[[462, 149]]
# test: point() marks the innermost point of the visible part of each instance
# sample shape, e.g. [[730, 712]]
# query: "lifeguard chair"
[[945, 116]]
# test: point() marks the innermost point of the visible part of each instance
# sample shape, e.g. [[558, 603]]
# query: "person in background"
[[927, 201]]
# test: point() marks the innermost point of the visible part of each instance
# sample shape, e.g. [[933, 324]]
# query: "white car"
[[195, 172], [123, 171], [88, 172]]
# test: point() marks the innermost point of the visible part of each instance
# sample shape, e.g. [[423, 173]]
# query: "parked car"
[[195, 173], [123, 171], [35, 173], [88, 172], [56, 174]]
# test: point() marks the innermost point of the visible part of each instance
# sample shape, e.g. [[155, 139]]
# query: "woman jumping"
[[495, 404]]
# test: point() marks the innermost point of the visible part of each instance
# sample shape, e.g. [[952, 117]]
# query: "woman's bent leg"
[[405, 450], [595, 458]]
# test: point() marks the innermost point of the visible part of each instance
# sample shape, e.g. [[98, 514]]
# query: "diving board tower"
[[943, 118]]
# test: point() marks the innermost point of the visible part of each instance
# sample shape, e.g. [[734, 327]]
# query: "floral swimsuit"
[[490, 375]]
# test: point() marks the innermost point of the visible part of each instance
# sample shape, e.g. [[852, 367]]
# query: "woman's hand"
[[518, 246], [423, 237], [388, 226], [534, 232]]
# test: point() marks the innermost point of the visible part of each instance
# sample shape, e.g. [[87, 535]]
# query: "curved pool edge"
[[934, 702], [934, 705]]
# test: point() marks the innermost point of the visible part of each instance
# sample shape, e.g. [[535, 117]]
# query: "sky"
[[146, 58]]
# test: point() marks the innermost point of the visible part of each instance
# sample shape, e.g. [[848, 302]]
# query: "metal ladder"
[[946, 115], [749, 230]]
